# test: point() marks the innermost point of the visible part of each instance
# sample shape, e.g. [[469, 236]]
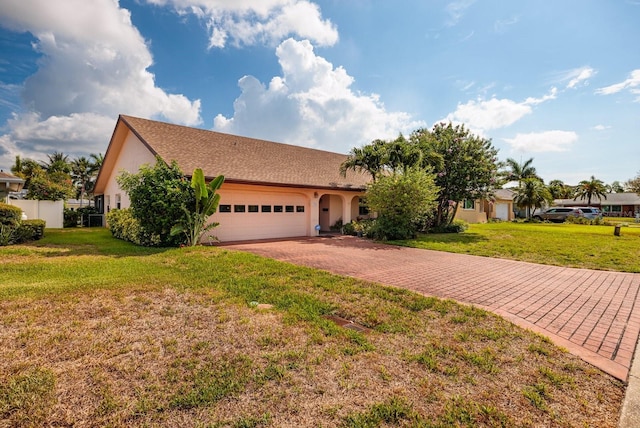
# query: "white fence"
[[50, 211]]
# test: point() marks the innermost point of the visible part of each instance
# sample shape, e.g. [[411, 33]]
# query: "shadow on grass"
[[89, 241]]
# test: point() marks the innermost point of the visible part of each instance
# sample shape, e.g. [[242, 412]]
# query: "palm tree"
[[96, 161], [532, 193], [402, 155], [25, 169], [58, 162], [370, 158], [590, 188], [560, 190], [518, 172], [81, 172], [96, 164]]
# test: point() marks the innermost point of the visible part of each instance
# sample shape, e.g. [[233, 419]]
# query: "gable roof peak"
[[243, 159]]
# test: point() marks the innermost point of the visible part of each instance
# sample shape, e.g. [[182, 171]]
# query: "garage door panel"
[[238, 226], [502, 211]]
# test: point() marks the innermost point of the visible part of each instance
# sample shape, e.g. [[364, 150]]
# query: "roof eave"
[[291, 185]]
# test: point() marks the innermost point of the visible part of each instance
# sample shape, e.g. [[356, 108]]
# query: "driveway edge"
[[630, 412]]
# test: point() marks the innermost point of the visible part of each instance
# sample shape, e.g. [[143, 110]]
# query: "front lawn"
[[98, 332], [574, 245]]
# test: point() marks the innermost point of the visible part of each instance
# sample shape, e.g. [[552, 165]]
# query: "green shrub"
[[24, 231], [337, 225], [349, 228], [7, 234], [124, 226], [160, 198], [71, 218], [401, 201], [457, 226], [386, 228], [30, 230], [578, 220], [10, 214]]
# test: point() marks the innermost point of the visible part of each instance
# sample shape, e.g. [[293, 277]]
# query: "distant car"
[[591, 213], [560, 214]]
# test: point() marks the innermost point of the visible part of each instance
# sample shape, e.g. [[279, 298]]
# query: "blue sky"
[[556, 81]]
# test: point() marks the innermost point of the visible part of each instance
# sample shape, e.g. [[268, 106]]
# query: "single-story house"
[[271, 190], [9, 183], [625, 204], [481, 210]]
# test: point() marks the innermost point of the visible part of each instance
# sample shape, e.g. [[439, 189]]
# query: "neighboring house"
[[74, 204], [9, 183], [615, 205], [480, 211], [271, 190]]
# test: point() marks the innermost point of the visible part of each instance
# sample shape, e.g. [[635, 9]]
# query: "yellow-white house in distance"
[[480, 211]]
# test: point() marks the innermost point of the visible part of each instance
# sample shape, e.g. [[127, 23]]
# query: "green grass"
[[573, 245], [28, 394], [99, 332]]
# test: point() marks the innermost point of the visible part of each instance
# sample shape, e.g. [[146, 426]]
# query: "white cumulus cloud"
[[632, 83], [248, 22], [579, 76], [547, 141], [311, 104], [94, 65], [484, 115]]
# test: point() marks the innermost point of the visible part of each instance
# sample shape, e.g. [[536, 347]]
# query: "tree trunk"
[[453, 214]]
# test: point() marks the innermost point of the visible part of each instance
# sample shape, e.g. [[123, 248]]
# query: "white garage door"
[[261, 215], [502, 211]]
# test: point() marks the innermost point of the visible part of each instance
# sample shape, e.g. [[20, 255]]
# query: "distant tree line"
[[59, 177]]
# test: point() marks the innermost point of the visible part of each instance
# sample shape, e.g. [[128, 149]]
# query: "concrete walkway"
[[594, 314]]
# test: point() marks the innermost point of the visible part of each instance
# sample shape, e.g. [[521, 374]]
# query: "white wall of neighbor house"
[[131, 157], [52, 212]]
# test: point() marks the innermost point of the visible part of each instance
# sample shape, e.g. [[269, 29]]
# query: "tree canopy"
[[60, 177], [532, 193], [588, 189], [159, 195], [516, 171], [465, 166], [402, 200]]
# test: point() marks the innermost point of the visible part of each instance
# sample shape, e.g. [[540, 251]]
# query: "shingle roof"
[[10, 178], [242, 159], [627, 198], [504, 194]]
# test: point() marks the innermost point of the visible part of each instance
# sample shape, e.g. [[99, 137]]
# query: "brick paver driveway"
[[594, 314]]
